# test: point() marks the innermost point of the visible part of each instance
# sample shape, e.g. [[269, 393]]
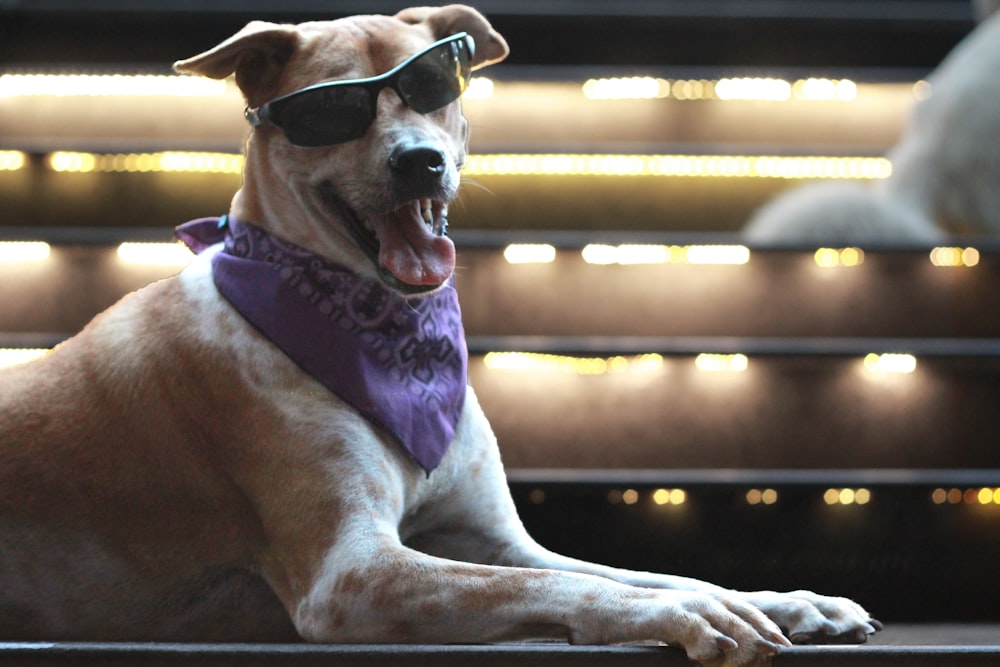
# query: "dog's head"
[[371, 196]]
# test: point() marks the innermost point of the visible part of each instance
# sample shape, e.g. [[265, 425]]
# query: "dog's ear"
[[444, 21], [256, 55]]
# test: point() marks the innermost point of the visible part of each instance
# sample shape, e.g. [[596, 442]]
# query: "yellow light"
[[694, 89], [846, 90], [955, 496], [847, 496], [716, 363], [168, 254], [626, 88], [669, 496], [704, 166], [825, 90], [12, 160], [833, 257], [480, 88], [169, 161], [554, 363], [600, 253], [642, 363], [72, 162], [643, 254], [762, 496], [827, 257], [14, 356], [629, 253], [726, 89], [529, 253], [951, 257], [985, 496], [939, 496], [717, 254], [23, 251], [630, 496], [753, 88], [890, 363], [203, 163], [105, 85], [852, 256]]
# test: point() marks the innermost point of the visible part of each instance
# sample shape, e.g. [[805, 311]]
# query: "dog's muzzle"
[[408, 244]]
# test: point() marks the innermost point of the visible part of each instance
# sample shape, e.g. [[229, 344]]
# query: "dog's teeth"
[[426, 211], [442, 225]]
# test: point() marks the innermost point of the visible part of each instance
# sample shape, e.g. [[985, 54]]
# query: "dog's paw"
[[719, 629], [808, 618]]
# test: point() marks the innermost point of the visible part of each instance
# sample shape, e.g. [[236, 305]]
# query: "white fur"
[[946, 167], [838, 212]]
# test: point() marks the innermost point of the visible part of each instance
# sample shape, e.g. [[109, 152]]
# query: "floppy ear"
[[444, 21], [256, 54]]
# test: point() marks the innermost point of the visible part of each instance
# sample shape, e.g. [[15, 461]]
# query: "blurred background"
[[786, 409]]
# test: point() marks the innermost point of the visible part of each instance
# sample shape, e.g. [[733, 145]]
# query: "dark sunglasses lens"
[[325, 116], [437, 78]]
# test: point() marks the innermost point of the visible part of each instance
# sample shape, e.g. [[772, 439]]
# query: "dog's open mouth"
[[409, 245]]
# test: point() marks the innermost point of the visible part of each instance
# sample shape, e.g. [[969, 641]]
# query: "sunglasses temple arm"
[[256, 117]]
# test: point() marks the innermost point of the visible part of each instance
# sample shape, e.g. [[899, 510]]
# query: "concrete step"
[[912, 646]]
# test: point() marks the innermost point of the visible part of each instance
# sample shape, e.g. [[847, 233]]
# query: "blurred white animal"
[[946, 166], [838, 212]]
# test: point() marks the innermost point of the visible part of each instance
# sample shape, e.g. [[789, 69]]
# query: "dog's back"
[[104, 464]]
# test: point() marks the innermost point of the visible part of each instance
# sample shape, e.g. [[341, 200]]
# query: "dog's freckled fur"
[[168, 474]]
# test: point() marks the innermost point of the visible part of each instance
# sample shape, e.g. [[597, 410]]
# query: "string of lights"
[[555, 164]]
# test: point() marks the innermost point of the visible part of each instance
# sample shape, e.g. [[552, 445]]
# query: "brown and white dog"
[[170, 474]]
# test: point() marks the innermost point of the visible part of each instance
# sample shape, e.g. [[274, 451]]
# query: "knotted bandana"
[[402, 363]]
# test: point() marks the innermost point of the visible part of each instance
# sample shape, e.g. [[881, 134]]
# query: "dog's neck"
[[402, 363]]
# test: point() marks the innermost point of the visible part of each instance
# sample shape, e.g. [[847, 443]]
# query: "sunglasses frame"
[[269, 113]]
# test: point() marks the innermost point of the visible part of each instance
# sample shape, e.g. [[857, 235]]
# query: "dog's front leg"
[[805, 617], [484, 528], [390, 593]]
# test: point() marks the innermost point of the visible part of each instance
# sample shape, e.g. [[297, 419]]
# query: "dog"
[[182, 470], [945, 168], [839, 213]]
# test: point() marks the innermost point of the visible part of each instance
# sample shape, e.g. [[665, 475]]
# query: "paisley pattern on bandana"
[[401, 362]]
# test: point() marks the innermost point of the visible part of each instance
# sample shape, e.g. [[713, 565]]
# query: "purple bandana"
[[402, 363]]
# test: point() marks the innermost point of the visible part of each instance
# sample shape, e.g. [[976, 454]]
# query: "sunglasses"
[[338, 111]]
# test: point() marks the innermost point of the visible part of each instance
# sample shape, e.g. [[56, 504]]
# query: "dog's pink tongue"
[[410, 250]]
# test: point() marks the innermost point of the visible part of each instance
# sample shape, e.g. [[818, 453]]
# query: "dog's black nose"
[[419, 161]]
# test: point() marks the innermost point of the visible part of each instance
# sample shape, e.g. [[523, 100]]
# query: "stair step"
[[778, 292], [956, 646]]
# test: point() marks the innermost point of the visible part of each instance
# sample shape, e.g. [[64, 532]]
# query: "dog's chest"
[[400, 362]]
